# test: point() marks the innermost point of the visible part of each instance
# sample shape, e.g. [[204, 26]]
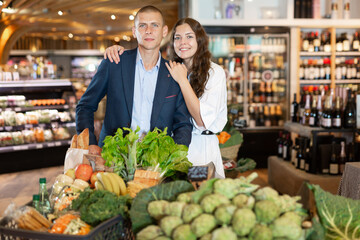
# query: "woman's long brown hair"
[[201, 59]]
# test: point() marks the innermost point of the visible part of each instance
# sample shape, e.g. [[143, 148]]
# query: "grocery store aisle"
[[20, 186]]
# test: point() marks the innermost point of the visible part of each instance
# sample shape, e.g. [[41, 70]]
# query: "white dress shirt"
[[144, 92]]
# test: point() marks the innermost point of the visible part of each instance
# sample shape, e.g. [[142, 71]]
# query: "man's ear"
[[133, 32], [165, 30]]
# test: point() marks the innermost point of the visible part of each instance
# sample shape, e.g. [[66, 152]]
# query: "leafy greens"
[[156, 151], [139, 215], [339, 216], [119, 152]]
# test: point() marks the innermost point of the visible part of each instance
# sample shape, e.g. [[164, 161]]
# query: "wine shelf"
[[314, 54], [338, 81]]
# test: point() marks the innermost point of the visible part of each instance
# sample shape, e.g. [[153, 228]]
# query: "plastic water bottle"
[[44, 203], [36, 201]]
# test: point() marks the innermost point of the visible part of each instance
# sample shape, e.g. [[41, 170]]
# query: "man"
[[140, 91]]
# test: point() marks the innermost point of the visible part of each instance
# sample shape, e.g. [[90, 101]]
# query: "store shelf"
[[345, 54], [24, 109], [78, 52], [36, 83], [32, 146], [14, 87], [315, 82], [262, 104], [285, 22], [29, 126], [345, 81], [307, 131], [314, 54], [338, 81]]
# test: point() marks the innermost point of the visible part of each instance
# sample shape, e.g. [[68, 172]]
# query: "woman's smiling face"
[[185, 43]]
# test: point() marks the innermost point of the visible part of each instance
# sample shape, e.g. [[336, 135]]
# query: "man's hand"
[[113, 53], [95, 150]]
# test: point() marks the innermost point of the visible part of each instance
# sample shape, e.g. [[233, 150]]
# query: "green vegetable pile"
[[156, 151], [96, 206], [227, 209], [339, 216]]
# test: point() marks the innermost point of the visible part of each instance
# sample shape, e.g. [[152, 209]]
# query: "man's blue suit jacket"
[[117, 82]]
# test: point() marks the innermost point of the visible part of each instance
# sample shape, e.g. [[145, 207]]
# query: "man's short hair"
[[150, 8]]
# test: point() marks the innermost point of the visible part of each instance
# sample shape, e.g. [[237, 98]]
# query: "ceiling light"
[[131, 17], [60, 13], [124, 37], [100, 32], [116, 39], [113, 17], [71, 35], [1, 3], [8, 10]]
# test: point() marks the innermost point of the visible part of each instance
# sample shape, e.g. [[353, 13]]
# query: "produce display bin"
[[113, 229]]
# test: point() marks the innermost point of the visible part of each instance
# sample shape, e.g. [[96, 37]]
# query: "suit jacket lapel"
[[128, 78], [162, 85]]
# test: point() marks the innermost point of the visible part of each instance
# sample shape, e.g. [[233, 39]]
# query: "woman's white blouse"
[[204, 149]]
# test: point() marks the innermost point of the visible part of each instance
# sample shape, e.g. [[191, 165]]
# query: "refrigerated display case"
[[256, 62]]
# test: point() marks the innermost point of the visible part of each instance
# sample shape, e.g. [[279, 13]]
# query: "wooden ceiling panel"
[[83, 17]]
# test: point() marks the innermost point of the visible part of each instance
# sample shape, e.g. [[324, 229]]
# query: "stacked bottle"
[[320, 107]]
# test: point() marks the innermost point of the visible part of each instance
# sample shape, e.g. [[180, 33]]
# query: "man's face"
[[149, 30]]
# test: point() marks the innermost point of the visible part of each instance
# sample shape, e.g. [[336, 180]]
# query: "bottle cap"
[[36, 197], [42, 180]]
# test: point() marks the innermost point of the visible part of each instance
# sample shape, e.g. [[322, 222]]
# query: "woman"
[[203, 85]]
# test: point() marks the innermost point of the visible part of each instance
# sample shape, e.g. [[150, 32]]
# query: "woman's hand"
[[178, 71], [113, 53]]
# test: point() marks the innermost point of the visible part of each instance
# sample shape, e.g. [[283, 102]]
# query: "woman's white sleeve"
[[213, 108]]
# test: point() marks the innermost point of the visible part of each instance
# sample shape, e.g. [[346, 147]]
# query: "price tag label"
[[51, 144], [29, 126], [8, 128], [17, 109], [17, 148], [57, 144], [39, 146], [1, 128]]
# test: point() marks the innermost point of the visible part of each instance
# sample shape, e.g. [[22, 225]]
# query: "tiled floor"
[[20, 186]]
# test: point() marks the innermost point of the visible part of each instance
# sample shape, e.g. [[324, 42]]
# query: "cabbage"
[[339, 216]]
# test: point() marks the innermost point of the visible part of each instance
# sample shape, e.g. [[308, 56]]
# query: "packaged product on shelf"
[[3, 101], [39, 135], [2, 120], [64, 117], [9, 117], [11, 101], [17, 138], [54, 115], [29, 136], [48, 135], [20, 119], [19, 100], [5, 139], [61, 133], [44, 116], [31, 117]]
